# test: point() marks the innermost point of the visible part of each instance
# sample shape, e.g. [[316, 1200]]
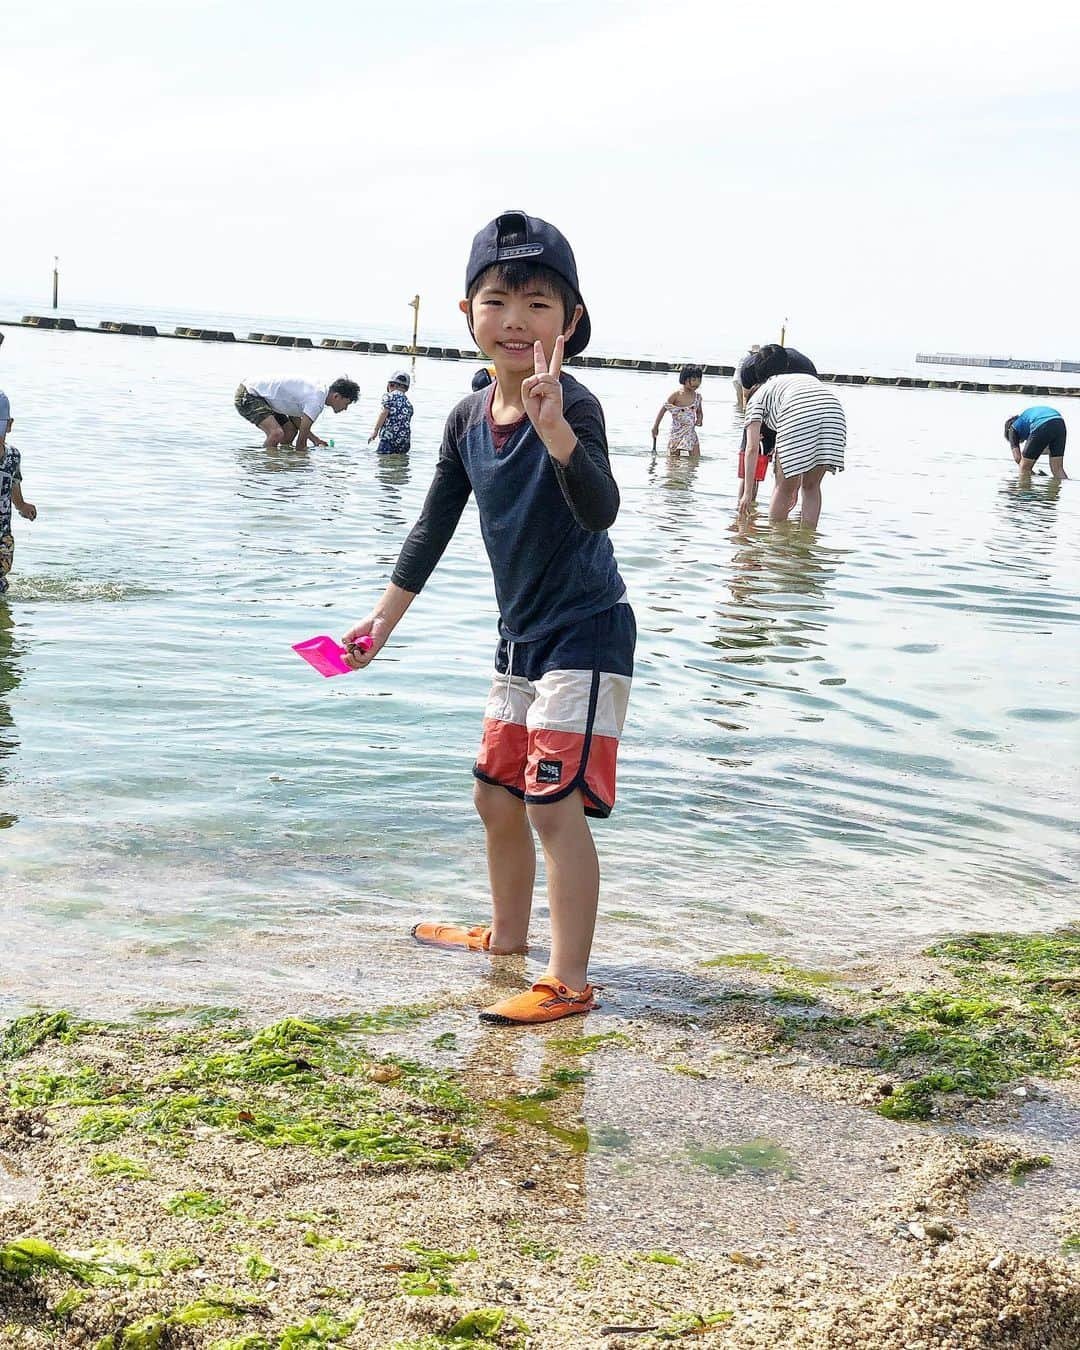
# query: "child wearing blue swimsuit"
[[393, 427]]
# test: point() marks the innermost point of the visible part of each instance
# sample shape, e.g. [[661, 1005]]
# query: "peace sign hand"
[[542, 392]]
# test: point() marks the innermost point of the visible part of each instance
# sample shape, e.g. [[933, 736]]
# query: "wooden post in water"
[[783, 330], [414, 305], [55, 280]]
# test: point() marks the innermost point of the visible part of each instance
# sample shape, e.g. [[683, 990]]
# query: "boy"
[[285, 407], [533, 449], [394, 421], [10, 492]]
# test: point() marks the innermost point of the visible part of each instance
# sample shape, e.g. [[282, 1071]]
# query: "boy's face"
[[507, 323], [338, 402]]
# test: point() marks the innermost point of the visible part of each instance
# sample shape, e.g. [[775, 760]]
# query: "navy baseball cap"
[[481, 379], [516, 237]]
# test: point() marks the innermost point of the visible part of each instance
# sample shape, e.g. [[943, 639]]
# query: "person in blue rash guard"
[[1030, 433]]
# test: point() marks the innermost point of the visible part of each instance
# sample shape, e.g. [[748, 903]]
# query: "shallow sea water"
[[837, 744]]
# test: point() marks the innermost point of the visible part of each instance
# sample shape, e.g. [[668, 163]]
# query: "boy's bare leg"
[[1057, 468], [271, 427], [573, 881], [811, 495], [1026, 466], [511, 858], [289, 433]]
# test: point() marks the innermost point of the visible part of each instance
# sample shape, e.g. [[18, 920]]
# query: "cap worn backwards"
[[400, 377], [514, 237], [481, 379]]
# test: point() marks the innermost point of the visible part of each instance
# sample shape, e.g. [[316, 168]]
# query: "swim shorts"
[[1049, 437], [555, 712], [255, 409]]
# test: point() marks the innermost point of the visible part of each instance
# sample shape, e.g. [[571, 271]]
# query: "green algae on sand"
[[30, 1256], [430, 1274], [117, 1165], [529, 1108], [759, 1156], [306, 1084], [23, 1034], [1015, 1014], [1011, 1011], [772, 965], [150, 1333], [159, 1087], [474, 1331], [194, 1205], [298, 1083]]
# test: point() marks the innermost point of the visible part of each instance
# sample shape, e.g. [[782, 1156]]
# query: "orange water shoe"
[[477, 939], [546, 1001]]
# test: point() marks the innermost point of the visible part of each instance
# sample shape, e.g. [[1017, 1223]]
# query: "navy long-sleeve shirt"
[[544, 524]]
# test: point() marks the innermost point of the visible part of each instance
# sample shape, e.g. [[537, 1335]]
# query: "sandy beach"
[[792, 1168]]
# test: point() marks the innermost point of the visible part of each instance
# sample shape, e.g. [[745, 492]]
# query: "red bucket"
[[762, 466]]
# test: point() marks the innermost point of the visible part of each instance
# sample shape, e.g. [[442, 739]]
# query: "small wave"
[[83, 589]]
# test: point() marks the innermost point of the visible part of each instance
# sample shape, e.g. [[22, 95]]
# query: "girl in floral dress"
[[684, 405]]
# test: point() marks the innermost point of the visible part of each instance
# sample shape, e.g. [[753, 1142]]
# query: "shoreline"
[[805, 1161]]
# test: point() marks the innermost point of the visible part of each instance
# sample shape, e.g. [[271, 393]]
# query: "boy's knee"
[[494, 804], [550, 820]]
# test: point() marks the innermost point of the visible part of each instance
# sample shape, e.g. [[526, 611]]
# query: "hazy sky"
[[889, 177]]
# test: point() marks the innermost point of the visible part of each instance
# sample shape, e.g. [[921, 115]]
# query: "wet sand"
[[639, 1178]]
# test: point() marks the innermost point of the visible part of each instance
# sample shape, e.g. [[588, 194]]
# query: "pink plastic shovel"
[[327, 655]]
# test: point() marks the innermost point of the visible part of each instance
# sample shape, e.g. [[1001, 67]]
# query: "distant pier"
[[186, 333], [995, 362]]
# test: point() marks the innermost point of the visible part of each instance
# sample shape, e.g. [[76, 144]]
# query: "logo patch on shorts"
[[549, 771]]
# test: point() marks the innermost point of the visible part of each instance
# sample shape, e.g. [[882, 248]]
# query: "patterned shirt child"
[[10, 474], [396, 435]]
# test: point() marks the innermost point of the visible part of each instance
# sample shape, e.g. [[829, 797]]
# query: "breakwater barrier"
[[190, 334], [995, 362]]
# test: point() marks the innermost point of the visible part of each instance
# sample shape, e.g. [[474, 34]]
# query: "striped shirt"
[[808, 420]]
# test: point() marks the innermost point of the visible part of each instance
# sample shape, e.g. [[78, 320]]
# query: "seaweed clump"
[[1015, 1013], [296, 1083], [1013, 1010]]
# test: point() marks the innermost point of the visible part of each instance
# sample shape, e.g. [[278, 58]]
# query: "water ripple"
[[835, 742]]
